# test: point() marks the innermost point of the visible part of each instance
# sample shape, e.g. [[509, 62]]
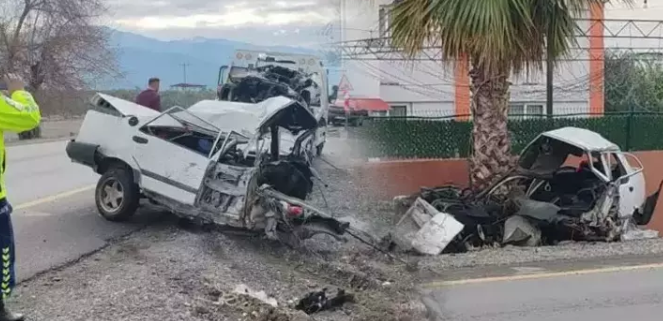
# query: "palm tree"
[[499, 38]]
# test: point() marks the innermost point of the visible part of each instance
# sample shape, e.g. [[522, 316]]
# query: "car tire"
[[117, 196]]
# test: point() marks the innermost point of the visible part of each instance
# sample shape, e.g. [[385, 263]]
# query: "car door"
[[166, 168], [631, 183]]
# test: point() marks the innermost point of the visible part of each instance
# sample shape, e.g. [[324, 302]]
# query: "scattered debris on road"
[[260, 295], [426, 230], [544, 201], [318, 301]]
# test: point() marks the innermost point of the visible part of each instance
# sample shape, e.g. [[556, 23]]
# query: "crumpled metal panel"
[[519, 230], [224, 192]]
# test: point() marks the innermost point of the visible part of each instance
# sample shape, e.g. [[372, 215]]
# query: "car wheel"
[[117, 196], [318, 149]]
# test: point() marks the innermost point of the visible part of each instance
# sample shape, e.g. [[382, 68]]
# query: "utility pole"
[[550, 66], [184, 65], [549, 83]]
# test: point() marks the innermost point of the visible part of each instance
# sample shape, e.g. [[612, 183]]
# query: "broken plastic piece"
[[518, 230], [295, 211], [260, 295], [436, 234], [425, 229]]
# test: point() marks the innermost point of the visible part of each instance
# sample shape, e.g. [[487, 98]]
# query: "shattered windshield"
[[229, 141], [191, 121]]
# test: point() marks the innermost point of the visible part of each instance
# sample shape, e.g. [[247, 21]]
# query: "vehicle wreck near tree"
[[543, 201], [215, 162]]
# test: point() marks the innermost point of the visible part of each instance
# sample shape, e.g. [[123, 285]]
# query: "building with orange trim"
[[428, 86]]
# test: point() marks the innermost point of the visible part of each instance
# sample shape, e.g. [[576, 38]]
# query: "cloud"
[[277, 22], [164, 14]]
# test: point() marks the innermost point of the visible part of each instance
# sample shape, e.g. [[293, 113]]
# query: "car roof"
[[582, 138]]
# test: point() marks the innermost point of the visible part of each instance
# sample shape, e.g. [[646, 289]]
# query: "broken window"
[[184, 129]]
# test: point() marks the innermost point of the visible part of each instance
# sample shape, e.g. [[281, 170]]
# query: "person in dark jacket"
[[150, 96]]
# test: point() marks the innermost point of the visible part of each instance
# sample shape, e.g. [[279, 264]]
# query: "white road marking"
[[441, 284], [53, 198]]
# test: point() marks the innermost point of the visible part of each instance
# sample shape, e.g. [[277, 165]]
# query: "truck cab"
[[253, 76]]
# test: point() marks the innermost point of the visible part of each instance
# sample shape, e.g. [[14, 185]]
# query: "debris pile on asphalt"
[[544, 201]]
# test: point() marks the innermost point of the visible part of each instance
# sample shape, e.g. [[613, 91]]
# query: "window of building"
[[380, 113], [524, 111], [398, 110]]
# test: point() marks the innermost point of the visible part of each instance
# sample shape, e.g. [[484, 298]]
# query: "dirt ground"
[[166, 273]]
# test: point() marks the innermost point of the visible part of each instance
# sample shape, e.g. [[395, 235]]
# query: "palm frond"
[[497, 34]]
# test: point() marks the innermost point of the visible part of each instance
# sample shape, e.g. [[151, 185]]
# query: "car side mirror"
[[133, 121]]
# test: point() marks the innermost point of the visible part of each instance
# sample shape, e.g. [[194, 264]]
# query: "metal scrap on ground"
[[545, 200], [318, 301]]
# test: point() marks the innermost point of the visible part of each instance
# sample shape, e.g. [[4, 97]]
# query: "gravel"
[[170, 273]]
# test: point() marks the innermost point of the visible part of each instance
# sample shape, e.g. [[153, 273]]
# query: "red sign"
[[344, 84]]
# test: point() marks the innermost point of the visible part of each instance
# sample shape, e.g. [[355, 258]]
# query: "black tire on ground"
[[318, 149], [30, 134], [117, 196]]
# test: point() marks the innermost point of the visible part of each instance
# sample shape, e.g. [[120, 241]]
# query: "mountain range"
[[142, 57]]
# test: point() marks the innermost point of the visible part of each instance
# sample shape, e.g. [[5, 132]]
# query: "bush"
[[430, 138]]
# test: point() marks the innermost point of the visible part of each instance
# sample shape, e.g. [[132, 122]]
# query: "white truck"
[[253, 76]]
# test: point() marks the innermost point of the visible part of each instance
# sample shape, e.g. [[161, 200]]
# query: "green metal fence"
[[391, 137]]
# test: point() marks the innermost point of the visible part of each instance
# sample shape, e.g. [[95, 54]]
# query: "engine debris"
[[318, 301]]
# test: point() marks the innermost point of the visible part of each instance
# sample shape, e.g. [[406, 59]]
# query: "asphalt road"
[[55, 219], [621, 294], [35, 171]]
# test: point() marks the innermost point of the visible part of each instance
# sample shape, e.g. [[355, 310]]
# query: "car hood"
[[249, 118]]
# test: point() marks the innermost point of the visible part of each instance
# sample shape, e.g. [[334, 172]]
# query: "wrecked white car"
[[220, 164], [254, 76], [546, 199]]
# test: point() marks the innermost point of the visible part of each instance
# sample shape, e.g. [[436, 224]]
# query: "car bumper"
[[82, 153]]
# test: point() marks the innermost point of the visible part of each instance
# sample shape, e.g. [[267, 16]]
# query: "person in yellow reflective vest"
[[18, 113]]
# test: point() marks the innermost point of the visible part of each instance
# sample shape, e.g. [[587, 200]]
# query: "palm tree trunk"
[[491, 157]]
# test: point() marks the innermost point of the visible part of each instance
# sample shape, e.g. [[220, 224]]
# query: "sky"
[[269, 22]]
